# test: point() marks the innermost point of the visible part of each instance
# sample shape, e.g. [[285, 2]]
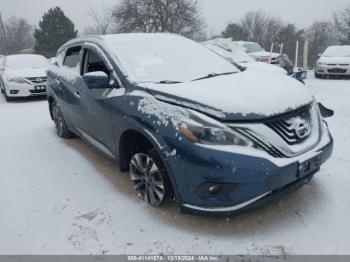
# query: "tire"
[[317, 75], [8, 99], [61, 126], [151, 181], [3, 91]]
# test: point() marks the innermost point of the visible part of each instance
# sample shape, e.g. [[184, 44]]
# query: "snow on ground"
[[61, 197]]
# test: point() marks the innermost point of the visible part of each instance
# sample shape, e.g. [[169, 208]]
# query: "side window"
[[72, 57], [94, 63]]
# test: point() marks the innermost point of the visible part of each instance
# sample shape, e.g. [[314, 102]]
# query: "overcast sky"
[[216, 12]]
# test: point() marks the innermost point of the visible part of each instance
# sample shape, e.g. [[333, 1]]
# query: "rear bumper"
[[332, 70]]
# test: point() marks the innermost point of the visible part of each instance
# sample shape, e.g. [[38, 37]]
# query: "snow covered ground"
[[61, 197]]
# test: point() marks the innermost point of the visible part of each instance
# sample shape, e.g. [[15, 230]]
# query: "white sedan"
[[334, 61], [24, 76]]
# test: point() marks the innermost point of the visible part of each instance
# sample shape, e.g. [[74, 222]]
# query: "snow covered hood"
[[264, 67], [250, 95], [264, 54], [25, 73], [335, 60]]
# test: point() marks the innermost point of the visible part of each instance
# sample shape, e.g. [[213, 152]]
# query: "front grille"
[[37, 80], [337, 71], [258, 143], [284, 125]]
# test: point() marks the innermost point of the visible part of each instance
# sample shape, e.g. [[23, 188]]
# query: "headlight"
[[321, 63], [18, 80], [213, 135]]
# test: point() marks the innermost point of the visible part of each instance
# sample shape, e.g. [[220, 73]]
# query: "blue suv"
[[187, 124]]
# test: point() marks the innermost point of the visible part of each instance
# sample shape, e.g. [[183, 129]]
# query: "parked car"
[[335, 61], [241, 58], [24, 76], [257, 52], [2, 67], [184, 122]]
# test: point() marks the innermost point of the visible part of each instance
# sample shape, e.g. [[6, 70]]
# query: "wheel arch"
[[133, 135], [50, 100]]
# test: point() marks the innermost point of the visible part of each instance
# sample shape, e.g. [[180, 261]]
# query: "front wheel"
[[149, 177], [61, 126]]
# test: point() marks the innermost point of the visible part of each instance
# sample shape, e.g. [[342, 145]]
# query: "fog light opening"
[[214, 189], [14, 92]]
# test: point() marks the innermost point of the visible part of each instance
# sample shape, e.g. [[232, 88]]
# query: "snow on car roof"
[[24, 61]]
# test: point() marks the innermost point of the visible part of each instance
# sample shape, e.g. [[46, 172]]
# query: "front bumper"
[[25, 90], [258, 179], [333, 70]]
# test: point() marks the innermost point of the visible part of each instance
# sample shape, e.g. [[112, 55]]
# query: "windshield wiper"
[[214, 75], [162, 82], [168, 82]]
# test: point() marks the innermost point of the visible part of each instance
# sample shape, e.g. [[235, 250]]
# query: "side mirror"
[[319, 55], [325, 112], [97, 80]]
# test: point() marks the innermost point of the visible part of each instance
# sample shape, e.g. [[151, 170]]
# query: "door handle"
[[77, 94]]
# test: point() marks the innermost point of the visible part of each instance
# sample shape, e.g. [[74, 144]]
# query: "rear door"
[[66, 84]]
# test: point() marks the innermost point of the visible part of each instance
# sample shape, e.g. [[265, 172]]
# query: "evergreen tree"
[[54, 30]]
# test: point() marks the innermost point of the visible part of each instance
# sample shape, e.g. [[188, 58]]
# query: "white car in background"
[[335, 61], [228, 50], [257, 52], [24, 76]]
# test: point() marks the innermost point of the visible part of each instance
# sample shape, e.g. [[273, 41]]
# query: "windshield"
[[18, 62], [235, 54], [253, 47], [337, 51], [164, 57]]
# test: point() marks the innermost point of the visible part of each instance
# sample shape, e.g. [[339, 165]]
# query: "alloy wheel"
[[147, 179], [58, 120]]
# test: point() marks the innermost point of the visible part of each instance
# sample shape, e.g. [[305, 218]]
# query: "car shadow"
[[30, 99], [290, 210]]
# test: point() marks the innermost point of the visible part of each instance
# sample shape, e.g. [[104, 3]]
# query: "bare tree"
[[342, 24], [102, 23], [289, 35], [255, 26], [19, 35], [320, 35], [174, 16]]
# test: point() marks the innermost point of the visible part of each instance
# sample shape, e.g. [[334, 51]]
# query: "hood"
[[335, 60], [249, 95], [25, 73], [264, 54], [264, 67]]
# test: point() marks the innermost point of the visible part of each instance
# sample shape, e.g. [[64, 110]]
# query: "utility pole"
[[2, 27], [296, 54], [306, 54]]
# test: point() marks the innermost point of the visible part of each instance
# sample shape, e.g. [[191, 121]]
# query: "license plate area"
[[310, 166], [40, 88]]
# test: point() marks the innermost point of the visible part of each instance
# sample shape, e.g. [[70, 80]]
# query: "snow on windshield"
[[18, 62], [235, 54], [337, 51], [253, 47], [165, 57]]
